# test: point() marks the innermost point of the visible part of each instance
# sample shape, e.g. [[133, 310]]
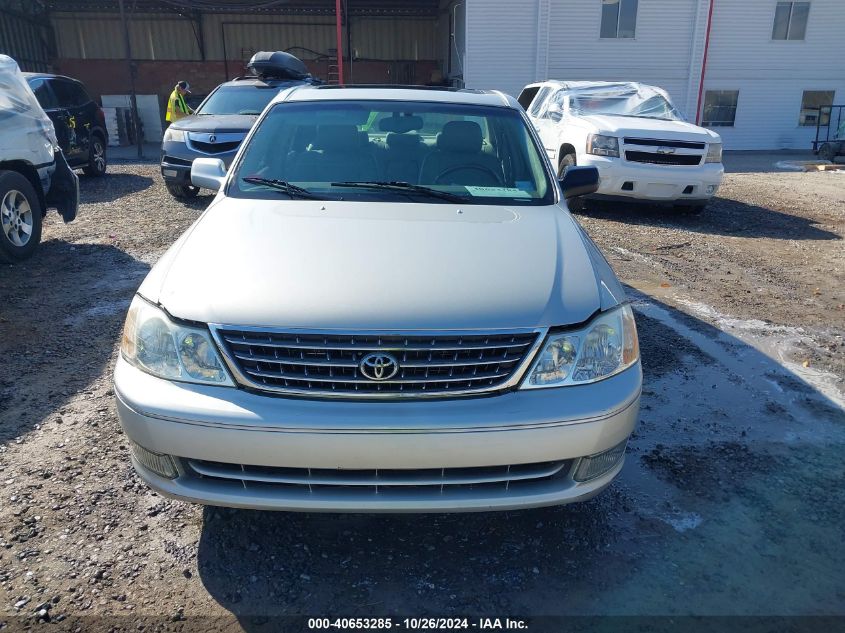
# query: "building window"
[[618, 18], [790, 20], [719, 108], [810, 104]]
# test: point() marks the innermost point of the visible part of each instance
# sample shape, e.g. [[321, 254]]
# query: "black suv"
[[79, 121], [225, 117]]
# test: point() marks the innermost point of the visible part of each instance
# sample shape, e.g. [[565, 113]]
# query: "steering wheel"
[[479, 168]]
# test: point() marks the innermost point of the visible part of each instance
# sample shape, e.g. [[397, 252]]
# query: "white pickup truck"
[[640, 143]]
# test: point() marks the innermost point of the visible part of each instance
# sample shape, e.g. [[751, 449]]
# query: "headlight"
[[605, 347], [153, 343], [714, 153], [603, 145], [177, 136]]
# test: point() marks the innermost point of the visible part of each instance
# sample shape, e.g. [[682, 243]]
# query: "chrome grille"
[[321, 364], [378, 480]]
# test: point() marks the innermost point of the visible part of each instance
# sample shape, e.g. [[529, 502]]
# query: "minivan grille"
[[411, 365], [378, 480]]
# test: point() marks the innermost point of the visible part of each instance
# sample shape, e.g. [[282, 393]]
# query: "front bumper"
[[235, 427], [664, 183]]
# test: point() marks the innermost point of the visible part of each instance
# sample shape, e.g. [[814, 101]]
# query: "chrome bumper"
[[232, 426]]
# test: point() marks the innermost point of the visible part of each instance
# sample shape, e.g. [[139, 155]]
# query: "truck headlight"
[[154, 344], [603, 145], [606, 346], [171, 134], [714, 153]]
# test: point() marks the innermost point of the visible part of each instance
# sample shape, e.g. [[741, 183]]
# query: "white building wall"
[[511, 43], [771, 75]]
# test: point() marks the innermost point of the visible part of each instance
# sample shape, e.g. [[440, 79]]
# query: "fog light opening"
[[711, 189], [600, 463], [161, 465]]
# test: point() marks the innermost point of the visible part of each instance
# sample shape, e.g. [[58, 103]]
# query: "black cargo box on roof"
[[277, 65]]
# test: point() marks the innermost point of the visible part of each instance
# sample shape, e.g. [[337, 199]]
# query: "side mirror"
[[578, 181], [208, 173], [555, 112]]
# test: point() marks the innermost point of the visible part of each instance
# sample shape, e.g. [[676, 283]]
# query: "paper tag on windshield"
[[498, 192]]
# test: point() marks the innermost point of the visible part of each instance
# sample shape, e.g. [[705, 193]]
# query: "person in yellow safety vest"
[[176, 106]]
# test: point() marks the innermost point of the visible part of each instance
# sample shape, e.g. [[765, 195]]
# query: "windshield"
[[239, 100], [628, 100], [405, 151]]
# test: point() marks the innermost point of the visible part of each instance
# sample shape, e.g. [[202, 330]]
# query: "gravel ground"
[[731, 500]]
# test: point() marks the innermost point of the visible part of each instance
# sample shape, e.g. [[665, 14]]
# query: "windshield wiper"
[[405, 187], [292, 190]]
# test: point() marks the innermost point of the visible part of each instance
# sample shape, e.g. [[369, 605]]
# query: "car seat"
[[458, 159]]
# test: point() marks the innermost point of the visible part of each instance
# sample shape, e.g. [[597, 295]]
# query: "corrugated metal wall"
[[235, 37], [25, 35], [100, 36]]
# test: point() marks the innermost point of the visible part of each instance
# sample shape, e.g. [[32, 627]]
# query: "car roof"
[[581, 85], [48, 76], [397, 93], [252, 80]]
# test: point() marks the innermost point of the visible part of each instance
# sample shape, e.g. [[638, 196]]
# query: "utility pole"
[[133, 100]]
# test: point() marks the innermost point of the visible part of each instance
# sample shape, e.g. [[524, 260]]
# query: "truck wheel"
[[574, 204], [97, 160], [182, 192], [20, 217]]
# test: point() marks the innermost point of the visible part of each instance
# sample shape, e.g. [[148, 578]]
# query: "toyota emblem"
[[379, 366]]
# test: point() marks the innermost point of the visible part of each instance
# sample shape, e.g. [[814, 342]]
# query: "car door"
[[58, 115], [72, 97], [547, 118]]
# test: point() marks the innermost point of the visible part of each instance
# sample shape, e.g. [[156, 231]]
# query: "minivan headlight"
[[154, 344], [606, 346], [603, 145], [714, 153], [171, 134]]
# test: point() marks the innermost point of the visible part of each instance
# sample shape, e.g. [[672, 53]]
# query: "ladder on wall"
[[333, 74]]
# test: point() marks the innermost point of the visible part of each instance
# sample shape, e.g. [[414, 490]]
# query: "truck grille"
[[318, 364], [670, 154], [380, 481], [663, 159]]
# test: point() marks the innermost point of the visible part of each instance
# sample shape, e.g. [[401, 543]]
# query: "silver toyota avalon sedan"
[[386, 308]]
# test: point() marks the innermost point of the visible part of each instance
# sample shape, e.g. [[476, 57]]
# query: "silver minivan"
[[387, 307]]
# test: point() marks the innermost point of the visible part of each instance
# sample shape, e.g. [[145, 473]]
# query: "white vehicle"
[[640, 143], [34, 175]]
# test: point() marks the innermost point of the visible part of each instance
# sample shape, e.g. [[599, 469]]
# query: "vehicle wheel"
[[97, 161], [574, 204], [828, 151], [689, 209], [182, 191], [20, 218]]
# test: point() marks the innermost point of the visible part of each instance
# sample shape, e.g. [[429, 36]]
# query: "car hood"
[[382, 266], [649, 128], [216, 123]]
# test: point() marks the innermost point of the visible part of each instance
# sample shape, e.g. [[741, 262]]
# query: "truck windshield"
[[401, 150], [634, 101], [239, 100]]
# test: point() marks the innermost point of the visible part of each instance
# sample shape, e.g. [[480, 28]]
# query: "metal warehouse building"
[[754, 69]]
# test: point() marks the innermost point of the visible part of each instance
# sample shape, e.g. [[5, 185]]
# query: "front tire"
[[182, 192], [20, 218], [97, 162]]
